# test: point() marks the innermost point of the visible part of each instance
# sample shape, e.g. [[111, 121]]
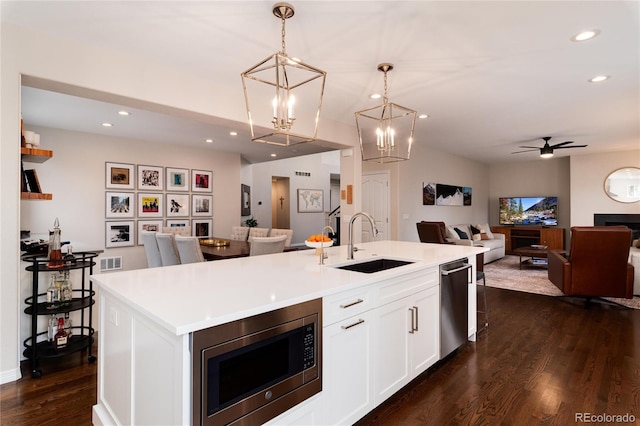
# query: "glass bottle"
[[69, 258], [53, 294], [67, 325], [51, 331], [60, 339], [55, 246], [66, 289]]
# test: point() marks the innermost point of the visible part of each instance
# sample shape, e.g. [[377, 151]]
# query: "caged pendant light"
[[283, 95], [386, 131]]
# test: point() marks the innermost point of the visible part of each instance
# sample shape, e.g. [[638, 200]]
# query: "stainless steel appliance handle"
[[346, 327], [462, 268], [348, 305]]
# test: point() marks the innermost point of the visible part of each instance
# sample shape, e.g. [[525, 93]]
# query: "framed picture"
[[201, 181], [245, 196], [202, 227], [149, 205], [119, 234], [310, 200], [119, 176], [177, 222], [148, 225], [202, 205], [177, 179], [150, 178], [177, 205], [119, 205], [448, 195]]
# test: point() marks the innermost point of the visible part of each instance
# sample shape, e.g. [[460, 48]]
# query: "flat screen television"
[[541, 211]]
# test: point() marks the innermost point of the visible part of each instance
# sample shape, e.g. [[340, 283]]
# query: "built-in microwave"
[[249, 371]]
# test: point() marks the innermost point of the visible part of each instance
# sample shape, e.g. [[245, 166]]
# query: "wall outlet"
[[111, 263]]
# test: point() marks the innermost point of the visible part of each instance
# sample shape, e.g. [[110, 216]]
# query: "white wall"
[[588, 173], [428, 165]]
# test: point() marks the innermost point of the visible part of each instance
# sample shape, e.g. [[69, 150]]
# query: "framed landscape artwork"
[[150, 178], [177, 179], [119, 234], [201, 181], [119, 176], [119, 205], [310, 200]]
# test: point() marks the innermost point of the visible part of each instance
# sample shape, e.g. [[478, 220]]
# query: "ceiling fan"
[[547, 150]]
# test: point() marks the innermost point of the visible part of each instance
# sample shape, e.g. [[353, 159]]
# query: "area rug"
[[504, 273]]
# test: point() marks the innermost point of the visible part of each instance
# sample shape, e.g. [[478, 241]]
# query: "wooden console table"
[[522, 236]]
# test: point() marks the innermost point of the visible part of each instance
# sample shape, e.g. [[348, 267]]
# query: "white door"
[[375, 201]]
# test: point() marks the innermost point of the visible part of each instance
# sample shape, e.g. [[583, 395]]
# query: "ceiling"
[[492, 76]]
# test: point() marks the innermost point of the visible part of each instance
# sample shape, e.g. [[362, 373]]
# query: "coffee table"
[[533, 252]]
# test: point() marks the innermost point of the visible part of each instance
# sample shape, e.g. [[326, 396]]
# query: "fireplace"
[[632, 221]]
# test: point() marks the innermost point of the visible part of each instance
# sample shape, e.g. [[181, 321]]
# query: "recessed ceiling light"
[[208, 140], [274, 155], [107, 125], [375, 96], [233, 133], [585, 35], [599, 78], [124, 112], [423, 116]]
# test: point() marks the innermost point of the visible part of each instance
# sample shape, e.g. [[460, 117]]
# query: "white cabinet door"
[[346, 364], [391, 364], [425, 340]]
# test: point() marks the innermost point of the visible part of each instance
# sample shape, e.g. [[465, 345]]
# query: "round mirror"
[[623, 185]]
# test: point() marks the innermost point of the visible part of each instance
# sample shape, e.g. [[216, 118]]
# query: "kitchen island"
[[148, 318]]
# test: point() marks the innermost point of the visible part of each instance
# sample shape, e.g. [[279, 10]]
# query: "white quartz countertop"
[[187, 298]]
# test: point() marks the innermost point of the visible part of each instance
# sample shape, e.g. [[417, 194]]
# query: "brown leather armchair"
[[597, 264], [432, 232]]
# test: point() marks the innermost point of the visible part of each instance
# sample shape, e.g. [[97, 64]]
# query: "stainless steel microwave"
[[249, 371]]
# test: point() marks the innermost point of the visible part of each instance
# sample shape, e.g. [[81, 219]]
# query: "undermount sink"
[[375, 265]]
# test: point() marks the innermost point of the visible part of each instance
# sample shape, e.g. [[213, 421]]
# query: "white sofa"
[[494, 241]]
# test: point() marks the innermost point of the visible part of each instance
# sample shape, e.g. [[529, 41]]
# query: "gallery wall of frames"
[[147, 198]]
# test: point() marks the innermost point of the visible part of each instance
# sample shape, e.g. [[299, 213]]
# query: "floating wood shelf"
[[35, 155], [35, 196]]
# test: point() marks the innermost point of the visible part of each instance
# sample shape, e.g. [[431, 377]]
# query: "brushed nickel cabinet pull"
[[346, 327], [348, 305]]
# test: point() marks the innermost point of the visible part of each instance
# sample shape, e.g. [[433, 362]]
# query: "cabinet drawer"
[[405, 285], [343, 305]]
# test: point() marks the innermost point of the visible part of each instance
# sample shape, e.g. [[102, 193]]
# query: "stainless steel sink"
[[375, 265]]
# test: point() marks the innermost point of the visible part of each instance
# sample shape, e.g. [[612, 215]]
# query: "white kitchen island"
[[147, 318]]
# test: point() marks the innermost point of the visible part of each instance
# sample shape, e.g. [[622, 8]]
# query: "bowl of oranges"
[[318, 240]]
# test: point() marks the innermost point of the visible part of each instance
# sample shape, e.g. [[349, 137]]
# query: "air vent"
[[111, 263], [308, 174]]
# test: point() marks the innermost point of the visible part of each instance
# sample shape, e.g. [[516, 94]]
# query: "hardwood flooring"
[[541, 361]]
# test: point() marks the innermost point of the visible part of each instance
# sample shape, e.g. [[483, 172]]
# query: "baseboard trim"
[[10, 376]]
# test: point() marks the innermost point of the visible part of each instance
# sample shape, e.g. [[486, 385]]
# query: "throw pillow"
[[484, 236], [451, 233], [477, 237], [474, 230], [486, 229], [463, 235]]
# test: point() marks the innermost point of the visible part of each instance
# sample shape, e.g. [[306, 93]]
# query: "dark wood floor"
[[541, 361]]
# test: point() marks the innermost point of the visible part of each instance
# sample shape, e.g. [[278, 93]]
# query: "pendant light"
[[386, 131], [283, 95]]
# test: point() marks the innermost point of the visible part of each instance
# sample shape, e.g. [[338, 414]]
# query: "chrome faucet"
[[323, 256], [374, 230]]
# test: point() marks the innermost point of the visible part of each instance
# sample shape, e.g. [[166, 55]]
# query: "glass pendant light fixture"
[[386, 131], [283, 95]]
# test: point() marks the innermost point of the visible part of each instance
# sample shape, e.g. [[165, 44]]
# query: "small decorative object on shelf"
[[66, 289], [53, 294], [53, 324], [69, 258], [55, 246], [67, 325], [60, 339]]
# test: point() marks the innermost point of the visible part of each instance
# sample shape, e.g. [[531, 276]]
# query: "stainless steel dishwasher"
[[454, 305]]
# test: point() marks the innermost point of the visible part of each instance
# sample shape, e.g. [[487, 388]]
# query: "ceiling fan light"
[[546, 152]]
